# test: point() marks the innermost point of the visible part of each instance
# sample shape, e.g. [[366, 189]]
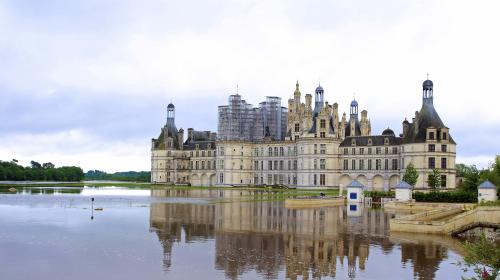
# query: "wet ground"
[[56, 233]]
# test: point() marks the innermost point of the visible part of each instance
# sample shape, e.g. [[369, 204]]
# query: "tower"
[[427, 91], [318, 98], [171, 115]]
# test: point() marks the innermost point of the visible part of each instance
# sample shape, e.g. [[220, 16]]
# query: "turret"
[[318, 98], [427, 91], [406, 127]]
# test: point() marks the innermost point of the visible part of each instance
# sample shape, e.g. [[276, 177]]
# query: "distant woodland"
[[141, 176], [12, 171]]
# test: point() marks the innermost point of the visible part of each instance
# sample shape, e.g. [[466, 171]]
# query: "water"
[[49, 233]]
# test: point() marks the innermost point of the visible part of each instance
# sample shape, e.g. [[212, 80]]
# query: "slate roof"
[[427, 117], [377, 140], [486, 185], [403, 185], [356, 184]]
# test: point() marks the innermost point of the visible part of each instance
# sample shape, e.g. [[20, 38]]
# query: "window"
[[322, 149], [361, 164], [203, 164], [345, 164], [361, 151], [322, 135], [443, 181], [315, 148], [275, 151], [221, 178], [432, 148], [209, 153], [221, 151], [270, 152], [314, 179], [322, 179], [270, 165], [378, 164], [395, 150], [197, 153], [315, 164], [282, 151], [353, 195], [281, 165], [386, 164], [345, 151], [369, 151], [445, 136], [297, 127], [269, 179], [353, 142], [394, 164], [256, 151], [294, 165], [432, 163], [386, 141], [431, 135], [275, 165], [353, 151], [322, 164], [444, 148], [353, 164], [208, 165], [196, 165], [378, 150], [256, 164], [322, 123], [443, 163], [370, 141], [369, 164], [386, 150]]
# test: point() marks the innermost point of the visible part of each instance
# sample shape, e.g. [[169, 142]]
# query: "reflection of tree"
[[267, 238]]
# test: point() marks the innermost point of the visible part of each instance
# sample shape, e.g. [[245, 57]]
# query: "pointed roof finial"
[[237, 89], [427, 76]]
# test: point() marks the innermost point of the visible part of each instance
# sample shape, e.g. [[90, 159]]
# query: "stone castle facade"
[[320, 149]]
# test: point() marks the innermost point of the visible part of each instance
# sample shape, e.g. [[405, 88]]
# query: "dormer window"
[[209, 146], [431, 135], [353, 142], [445, 136], [197, 146], [370, 141], [386, 141]]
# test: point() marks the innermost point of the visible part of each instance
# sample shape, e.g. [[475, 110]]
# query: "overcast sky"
[[87, 82]]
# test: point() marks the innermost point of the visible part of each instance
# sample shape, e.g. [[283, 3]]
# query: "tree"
[[483, 256], [35, 165], [411, 175], [470, 175], [48, 165], [434, 180]]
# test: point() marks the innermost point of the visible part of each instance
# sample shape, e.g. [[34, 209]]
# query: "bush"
[[452, 197]]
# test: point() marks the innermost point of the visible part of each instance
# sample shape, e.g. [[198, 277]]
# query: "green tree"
[[411, 175], [48, 165], [483, 256], [35, 165], [434, 180]]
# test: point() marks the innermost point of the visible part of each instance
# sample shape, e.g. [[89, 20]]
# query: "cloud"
[[109, 68]]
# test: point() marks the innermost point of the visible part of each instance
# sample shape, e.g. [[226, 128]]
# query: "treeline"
[[472, 176], [133, 176], [12, 171]]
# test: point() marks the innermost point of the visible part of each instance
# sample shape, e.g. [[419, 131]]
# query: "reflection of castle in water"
[[266, 237]]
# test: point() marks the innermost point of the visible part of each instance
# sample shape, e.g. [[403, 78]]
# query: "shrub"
[[452, 197]]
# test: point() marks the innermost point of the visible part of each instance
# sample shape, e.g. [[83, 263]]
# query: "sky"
[[87, 82]]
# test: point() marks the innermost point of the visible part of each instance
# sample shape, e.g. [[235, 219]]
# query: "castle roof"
[[427, 117]]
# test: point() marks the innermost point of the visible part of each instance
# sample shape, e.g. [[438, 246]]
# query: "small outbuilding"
[[355, 192], [403, 191], [486, 191]]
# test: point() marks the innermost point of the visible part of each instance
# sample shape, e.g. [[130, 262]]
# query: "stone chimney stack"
[[406, 127], [181, 138], [190, 134], [308, 102]]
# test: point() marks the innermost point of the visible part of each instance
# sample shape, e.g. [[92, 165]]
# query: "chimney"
[[190, 134], [181, 138], [308, 101]]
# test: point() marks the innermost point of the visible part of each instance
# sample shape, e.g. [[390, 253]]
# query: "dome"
[[319, 88], [388, 132], [354, 103], [170, 106], [427, 84]]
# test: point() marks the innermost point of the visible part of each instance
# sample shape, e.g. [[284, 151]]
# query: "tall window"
[[394, 164], [345, 164], [314, 179], [322, 164], [444, 148], [353, 151], [443, 181], [315, 148], [386, 164], [322, 149], [221, 177], [443, 163], [315, 164], [322, 123], [322, 135], [270, 165], [386, 150], [432, 163], [282, 151], [444, 136], [432, 148], [275, 151], [296, 127], [369, 164], [353, 164], [431, 135], [361, 164], [361, 151], [345, 151], [270, 152], [378, 150], [369, 151], [322, 179], [394, 150], [378, 164]]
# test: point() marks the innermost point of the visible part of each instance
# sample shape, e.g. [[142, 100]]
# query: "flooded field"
[[57, 233]]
